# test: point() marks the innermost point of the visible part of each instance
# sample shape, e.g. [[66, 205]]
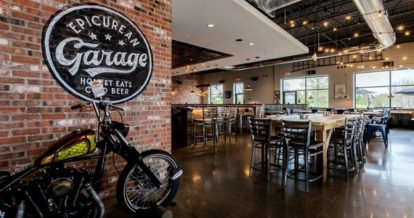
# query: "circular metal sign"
[[91, 42]]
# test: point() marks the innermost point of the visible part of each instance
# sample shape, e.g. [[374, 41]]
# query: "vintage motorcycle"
[[51, 188]]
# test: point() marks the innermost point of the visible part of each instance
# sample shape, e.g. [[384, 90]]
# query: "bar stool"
[[260, 131], [299, 140], [231, 124], [207, 125], [220, 124], [245, 115], [341, 150]]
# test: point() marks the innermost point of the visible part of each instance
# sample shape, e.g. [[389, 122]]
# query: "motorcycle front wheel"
[[135, 192]]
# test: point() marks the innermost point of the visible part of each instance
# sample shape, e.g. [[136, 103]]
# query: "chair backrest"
[[386, 115], [260, 128], [347, 131], [259, 111], [220, 112], [359, 128], [297, 132], [209, 113], [232, 115]]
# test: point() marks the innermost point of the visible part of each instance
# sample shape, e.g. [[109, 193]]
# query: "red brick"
[[27, 3], [4, 26], [24, 16], [12, 109], [19, 73], [26, 45], [53, 116], [48, 9], [26, 59], [25, 116], [25, 30], [12, 140], [25, 132], [4, 164]]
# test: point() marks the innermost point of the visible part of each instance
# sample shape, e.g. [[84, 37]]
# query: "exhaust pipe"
[[97, 200], [377, 19]]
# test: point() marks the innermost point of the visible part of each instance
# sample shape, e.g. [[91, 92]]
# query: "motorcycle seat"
[[4, 175]]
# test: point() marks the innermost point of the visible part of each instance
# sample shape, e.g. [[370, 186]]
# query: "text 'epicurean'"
[[81, 23]]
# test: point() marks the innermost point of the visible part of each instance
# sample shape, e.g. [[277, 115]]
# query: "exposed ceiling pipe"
[[377, 19], [269, 6]]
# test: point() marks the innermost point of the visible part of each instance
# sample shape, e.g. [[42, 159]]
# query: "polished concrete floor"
[[217, 184]]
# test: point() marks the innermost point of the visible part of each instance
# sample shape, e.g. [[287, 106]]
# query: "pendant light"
[[248, 88]]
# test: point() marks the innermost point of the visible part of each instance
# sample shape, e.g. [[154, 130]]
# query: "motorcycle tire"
[[135, 192]]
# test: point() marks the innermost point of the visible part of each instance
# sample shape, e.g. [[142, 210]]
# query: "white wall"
[[262, 88]]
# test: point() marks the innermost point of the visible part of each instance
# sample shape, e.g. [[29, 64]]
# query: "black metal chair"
[[359, 140], [261, 136], [382, 125], [342, 150], [299, 140]]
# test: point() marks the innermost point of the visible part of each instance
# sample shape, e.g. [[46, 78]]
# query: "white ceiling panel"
[[232, 19]]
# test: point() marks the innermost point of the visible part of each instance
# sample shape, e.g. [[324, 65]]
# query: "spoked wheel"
[[135, 192]]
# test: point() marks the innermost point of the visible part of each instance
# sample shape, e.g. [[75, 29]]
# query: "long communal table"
[[323, 126]]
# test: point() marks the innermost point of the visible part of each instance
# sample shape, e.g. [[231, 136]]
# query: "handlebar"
[[103, 105], [115, 108]]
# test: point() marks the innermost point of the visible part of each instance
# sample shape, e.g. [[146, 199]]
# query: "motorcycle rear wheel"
[[135, 192]]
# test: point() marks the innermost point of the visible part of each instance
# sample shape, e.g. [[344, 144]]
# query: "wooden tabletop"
[[319, 122]]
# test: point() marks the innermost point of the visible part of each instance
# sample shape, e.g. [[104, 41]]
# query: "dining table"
[[323, 125]]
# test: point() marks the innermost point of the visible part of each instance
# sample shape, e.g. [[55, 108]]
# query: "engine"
[[57, 191]]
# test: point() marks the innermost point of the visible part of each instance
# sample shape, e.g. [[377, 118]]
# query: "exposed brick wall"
[[184, 90], [35, 110]]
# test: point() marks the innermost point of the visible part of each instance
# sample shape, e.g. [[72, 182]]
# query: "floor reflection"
[[217, 184]]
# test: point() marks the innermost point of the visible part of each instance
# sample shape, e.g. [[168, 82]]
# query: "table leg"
[[324, 136]]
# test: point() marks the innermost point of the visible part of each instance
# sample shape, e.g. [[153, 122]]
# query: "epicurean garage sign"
[[91, 42]]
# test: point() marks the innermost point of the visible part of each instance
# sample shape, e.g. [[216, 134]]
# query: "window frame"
[[210, 94], [235, 93], [304, 89], [390, 85]]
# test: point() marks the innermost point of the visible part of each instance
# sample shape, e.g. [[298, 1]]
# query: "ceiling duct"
[[377, 19], [269, 6]]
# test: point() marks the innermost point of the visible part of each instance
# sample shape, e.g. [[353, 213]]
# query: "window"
[[215, 94], [312, 91], [370, 92], [400, 80], [381, 91], [238, 90]]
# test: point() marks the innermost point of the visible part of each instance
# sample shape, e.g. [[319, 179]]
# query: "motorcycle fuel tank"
[[75, 144]]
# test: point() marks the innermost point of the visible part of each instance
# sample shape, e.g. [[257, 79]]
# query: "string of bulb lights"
[[400, 29]]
